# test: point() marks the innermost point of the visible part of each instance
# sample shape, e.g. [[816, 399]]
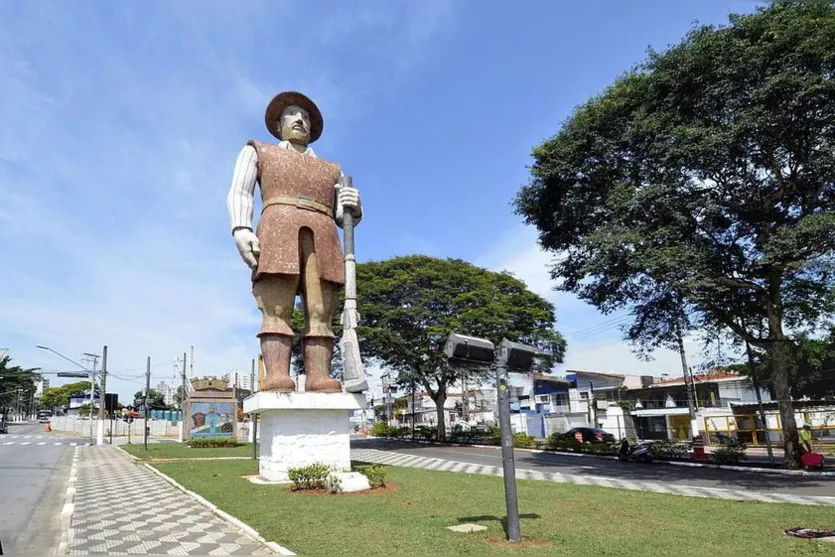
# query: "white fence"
[[157, 428], [81, 427]]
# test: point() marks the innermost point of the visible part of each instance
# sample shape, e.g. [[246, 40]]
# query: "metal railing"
[[749, 428]]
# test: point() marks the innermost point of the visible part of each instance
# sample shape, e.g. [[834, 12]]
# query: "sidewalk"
[[115, 506]]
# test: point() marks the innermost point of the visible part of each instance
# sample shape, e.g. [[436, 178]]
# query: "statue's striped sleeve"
[[239, 201]]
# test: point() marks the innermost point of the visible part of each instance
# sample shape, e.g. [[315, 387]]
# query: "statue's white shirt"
[[239, 202]]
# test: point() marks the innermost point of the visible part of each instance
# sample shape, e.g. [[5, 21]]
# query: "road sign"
[[71, 374]]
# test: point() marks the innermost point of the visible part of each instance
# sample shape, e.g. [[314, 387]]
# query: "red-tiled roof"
[[703, 378]]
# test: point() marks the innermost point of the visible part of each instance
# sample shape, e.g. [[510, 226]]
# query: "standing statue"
[[296, 249]]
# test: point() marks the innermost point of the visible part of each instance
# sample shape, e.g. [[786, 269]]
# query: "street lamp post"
[[95, 358], [90, 372], [481, 353]]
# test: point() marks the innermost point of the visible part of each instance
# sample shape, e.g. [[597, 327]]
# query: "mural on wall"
[[212, 419]]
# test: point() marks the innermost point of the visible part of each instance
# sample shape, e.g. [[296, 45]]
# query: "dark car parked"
[[4, 427], [591, 435]]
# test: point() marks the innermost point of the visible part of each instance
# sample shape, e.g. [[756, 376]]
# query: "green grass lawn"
[[181, 450], [557, 518]]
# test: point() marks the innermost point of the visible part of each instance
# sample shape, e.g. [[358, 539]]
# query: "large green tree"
[[17, 386], [709, 171], [59, 397], [409, 305], [811, 366], [156, 400]]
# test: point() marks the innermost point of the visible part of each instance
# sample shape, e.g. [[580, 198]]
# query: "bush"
[[558, 442], [314, 476], [494, 435], [524, 441], [426, 433], [398, 432], [213, 442], [732, 451], [380, 429], [671, 449], [600, 448], [376, 475]]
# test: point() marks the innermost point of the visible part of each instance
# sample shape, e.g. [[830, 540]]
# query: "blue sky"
[[121, 124]]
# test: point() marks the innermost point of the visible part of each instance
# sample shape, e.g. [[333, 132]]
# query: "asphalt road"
[[32, 485], [656, 472]]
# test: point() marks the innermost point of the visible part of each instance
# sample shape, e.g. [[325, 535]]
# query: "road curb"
[[123, 451], [68, 508], [755, 470], [237, 523]]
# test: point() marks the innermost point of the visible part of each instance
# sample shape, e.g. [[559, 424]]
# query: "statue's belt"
[[299, 201]]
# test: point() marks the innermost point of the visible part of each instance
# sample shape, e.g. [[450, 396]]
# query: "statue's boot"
[[277, 350], [318, 352]]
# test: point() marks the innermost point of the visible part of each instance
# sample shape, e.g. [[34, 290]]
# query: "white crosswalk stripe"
[[411, 461], [40, 443]]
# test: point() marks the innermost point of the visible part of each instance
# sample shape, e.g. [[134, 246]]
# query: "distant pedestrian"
[[804, 437]]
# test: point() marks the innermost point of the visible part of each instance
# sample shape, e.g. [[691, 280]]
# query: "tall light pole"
[[481, 353], [95, 358], [89, 371]]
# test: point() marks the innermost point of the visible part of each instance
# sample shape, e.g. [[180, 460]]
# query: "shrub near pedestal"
[[319, 476], [212, 442]]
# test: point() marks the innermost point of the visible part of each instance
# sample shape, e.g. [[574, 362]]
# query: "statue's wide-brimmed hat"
[[293, 98]]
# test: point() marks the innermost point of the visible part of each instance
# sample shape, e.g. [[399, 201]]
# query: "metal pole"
[[183, 403], [687, 385], [508, 465], [413, 410], [102, 397], [147, 393], [254, 415], [92, 397]]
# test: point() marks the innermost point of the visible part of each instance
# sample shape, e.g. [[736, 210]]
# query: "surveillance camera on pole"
[[479, 352]]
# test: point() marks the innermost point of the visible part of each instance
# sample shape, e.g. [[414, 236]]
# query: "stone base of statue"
[[298, 429]]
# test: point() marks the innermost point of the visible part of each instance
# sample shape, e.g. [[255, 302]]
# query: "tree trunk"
[[780, 383], [440, 399], [776, 349]]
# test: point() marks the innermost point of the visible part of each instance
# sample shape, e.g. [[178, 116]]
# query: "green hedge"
[[213, 442]]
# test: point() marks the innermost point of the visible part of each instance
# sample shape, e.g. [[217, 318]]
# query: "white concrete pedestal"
[[299, 429]]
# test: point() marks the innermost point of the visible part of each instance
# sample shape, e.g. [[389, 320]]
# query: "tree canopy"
[[156, 399], [17, 386], [59, 397], [708, 172], [409, 305]]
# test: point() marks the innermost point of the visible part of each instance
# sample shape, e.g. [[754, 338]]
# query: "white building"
[[41, 385], [167, 391], [242, 380]]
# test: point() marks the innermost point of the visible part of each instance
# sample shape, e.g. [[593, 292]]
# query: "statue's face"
[[294, 125]]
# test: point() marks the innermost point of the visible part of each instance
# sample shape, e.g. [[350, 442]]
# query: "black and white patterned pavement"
[[117, 507]]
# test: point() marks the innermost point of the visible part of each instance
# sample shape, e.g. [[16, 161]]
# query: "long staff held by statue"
[[353, 374]]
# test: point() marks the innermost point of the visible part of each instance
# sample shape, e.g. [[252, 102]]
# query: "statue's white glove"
[[349, 319], [248, 246], [349, 199]]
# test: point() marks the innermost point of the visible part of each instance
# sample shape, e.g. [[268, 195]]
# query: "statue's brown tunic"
[[286, 173]]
